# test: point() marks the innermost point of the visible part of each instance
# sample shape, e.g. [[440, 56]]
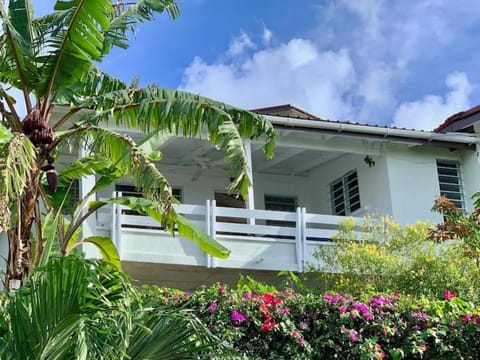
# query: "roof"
[[286, 110], [461, 121], [296, 119], [292, 111]]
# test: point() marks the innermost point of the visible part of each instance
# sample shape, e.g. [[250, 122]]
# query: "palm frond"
[[130, 160], [153, 109], [172, 334], [127, 16], [87, 91], [17, 65], [74, 43], [17, 160]]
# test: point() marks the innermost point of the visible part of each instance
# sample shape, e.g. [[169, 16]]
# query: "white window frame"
[[445, 184], [346, 194]]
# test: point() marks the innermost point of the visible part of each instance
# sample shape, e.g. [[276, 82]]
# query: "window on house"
[[345, 194], [130, 190], [280, 203], [450, 181]]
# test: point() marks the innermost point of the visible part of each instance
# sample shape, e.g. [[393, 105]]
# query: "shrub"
[[388, 257], [289, 325]]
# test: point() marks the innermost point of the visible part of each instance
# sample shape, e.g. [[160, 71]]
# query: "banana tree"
[[52, 61]]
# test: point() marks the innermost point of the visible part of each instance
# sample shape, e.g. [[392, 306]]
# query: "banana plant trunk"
[[19, 261]]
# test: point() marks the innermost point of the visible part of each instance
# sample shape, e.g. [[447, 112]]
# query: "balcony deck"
[[258, 239]]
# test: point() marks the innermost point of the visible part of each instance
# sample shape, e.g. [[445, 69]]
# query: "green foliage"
[[53, 61], [458, 225], [288, 325], [387, 257], [78, 309]]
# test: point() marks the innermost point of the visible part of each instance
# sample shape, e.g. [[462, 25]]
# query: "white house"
[[322, 171]]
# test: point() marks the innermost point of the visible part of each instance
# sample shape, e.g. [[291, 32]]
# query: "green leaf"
[[73, 42], [204, 242], [5, 134], [107, 248], [50, 239]]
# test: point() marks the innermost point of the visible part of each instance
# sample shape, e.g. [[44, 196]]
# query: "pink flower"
[[237, 316], [285, 310], [449, 295], [353, 336], [342, 309], [212, 307]]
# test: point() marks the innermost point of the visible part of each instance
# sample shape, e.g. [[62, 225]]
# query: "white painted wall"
[[373, 183], [414, 180], [471, 175]]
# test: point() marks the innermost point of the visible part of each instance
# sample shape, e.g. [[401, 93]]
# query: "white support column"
[[208, 228], [213, 228], [90, 224], [251, 194]]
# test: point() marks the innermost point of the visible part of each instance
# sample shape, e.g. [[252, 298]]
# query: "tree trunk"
[[19, 261]]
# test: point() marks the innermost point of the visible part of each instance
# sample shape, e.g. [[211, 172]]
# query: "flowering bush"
[[289, 325], [459, 225], [388, 257]]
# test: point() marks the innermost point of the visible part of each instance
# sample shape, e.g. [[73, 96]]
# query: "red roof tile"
[[456, 117]]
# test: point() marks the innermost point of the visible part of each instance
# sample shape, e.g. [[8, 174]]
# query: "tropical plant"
[[387, 257], [74, 308], [53, 61], [283, 324], [462, 227]]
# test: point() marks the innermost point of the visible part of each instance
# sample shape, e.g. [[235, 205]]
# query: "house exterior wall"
[[373, 183], [414, 183], [471, 175]]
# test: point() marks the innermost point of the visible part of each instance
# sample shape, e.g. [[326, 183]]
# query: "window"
[[450, 181], [280, 203], [345, 194], [130, 190]]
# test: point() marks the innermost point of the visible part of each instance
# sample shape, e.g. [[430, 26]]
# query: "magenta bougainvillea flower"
[[237, 316]]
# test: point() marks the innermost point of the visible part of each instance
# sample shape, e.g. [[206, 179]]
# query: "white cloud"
[[295, 72], [240, 44], [362, 71], [428, 112], [266, 36]]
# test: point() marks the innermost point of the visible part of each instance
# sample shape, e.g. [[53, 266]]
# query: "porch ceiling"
[[194, 154]]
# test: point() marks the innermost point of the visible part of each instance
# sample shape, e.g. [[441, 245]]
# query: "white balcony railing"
[[258, 239]]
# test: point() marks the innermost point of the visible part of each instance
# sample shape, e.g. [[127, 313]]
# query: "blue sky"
[[406, 63]]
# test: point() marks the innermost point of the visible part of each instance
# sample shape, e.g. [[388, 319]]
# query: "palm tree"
[[74, 308], [53, 61]]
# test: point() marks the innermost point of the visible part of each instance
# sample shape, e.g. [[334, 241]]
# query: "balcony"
[[258, 239]]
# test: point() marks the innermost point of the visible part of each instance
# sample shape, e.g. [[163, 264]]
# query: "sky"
[[408, 63]]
